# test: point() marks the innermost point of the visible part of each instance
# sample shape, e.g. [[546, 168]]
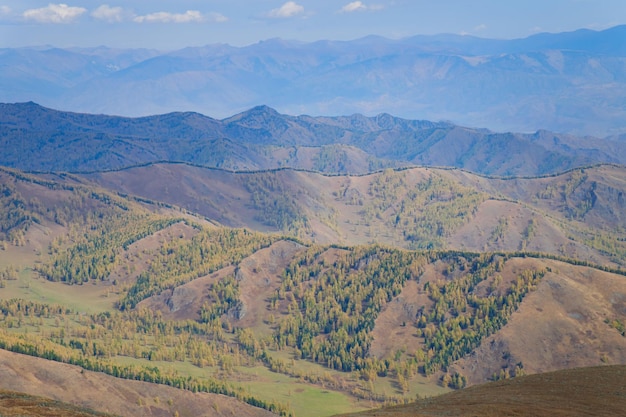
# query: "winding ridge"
[[35, 138]]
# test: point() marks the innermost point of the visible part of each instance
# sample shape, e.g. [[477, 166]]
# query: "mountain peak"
[[254, 117]]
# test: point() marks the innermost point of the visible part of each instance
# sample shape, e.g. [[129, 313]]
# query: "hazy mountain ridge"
[[567, 82], [39, 139]]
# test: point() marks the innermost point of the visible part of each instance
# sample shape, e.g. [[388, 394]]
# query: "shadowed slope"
[[582, 392], [16, 404]]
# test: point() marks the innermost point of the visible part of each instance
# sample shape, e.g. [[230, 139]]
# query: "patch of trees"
[[460, 320], [276, 204], [617, 325], [222, 296], [94, 252], [16, 214], [425, 213], [332, 308], [340, 302], [93, 343], [331, 159], [180, 262]]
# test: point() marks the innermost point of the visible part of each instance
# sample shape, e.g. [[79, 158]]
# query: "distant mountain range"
[[36, 138], [567, 82]]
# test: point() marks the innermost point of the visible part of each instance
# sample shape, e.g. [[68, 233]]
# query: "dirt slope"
[[559, 325], [16, 404], [258, 276], [105, 393], [583, 392], [557, 214]]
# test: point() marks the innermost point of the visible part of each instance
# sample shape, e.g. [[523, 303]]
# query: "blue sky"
[[172, 24]]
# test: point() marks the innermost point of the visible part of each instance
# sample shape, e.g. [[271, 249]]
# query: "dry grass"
[[97, 391], [559, 325], [334, 217], [597, 391], [16, 404]]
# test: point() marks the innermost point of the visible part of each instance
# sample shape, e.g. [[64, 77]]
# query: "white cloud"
[[288, 9], [190, 16], [54, 13], [217, 17], [108, 13], [480, 28], [359, 6], [355, 6], [5, 10]]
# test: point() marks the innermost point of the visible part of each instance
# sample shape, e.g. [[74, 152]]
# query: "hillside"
[[15, 404], [566, 82], [577, 214], [35, 138], [326, 310], [75, 386], [580, 392]]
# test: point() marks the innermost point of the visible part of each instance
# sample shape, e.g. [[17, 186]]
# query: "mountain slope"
[[556, 327], [15, 404], [582, 392], [578, 214], [105, 393], [141, 290], [39, 139]]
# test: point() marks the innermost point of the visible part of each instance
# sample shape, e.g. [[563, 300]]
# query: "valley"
[[309, 294], [313, 209]]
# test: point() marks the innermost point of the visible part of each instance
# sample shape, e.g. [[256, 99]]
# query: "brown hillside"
[[105, 393], [578, 214], [258, 276], [594, 196], [16, 404], [562, 324], [582, 392]]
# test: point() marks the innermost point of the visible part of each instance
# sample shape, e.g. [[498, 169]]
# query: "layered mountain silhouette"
[[35, 138], [567, 82]]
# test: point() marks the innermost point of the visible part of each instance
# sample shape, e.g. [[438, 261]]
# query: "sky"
[[173, 24]]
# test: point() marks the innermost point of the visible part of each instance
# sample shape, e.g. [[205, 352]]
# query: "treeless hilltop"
[[598, 391]]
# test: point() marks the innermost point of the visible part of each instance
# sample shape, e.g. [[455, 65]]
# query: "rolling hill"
[[578, 214], [576, 392], [140, 289], [77, 387], [298, 265]]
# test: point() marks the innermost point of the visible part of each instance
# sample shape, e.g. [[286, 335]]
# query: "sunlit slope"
[[103, 393], [577, 214], [143, 290]]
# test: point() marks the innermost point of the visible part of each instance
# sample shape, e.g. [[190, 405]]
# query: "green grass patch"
[[306, 400]]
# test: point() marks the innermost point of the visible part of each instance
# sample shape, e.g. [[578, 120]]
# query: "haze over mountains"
[[35, 138], [345, 261], [567, 82]]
